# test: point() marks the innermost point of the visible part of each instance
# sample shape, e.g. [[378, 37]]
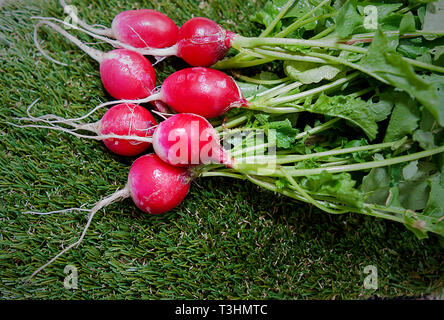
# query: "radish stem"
[[282, 159], [304, 94], [357, 166], [278, 18]]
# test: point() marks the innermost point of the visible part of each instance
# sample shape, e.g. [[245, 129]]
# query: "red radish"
[[200, 42], [145, 28], [125, 74], [129, 120], [126, 129], [202, 91], [155, 187], [203, 42], [142, 28], [187, 139]]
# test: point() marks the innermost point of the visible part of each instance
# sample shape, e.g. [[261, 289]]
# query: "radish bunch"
[[186, 145], [156, 182]]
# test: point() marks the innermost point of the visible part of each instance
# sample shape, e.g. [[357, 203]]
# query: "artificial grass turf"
[[227, 240]]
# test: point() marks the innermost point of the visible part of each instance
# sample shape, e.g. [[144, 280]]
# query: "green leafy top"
[[397, 101], [350, 108]]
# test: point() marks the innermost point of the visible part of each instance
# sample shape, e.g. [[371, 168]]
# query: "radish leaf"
[[352, 109], [404, 118], [307, 72]]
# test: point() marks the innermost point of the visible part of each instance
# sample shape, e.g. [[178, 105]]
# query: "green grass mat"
[[227, 240]]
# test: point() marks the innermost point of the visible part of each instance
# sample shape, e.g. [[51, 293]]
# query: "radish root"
[[83, 136], [56, 211], [164, 115], [152, 97], [72, 12], [117, 196]]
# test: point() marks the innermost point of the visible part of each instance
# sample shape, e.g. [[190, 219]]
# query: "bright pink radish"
[[127, 120], [203, 91], [142, 28], [145, 28], [126, 129], [199, 90], [155, 186], [187, 139], [203, 42], [125, 74]]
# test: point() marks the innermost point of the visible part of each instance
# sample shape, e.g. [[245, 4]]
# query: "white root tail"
[[56, 211], [93, 53], [72, 12], [164, 115], [118, 195]]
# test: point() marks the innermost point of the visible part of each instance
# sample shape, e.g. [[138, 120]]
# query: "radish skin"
[[130, 120], [203, 42], [157, 187], [188, 140]]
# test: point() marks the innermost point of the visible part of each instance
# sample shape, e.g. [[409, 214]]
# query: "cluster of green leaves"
[[400, 64], [298, 10]]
